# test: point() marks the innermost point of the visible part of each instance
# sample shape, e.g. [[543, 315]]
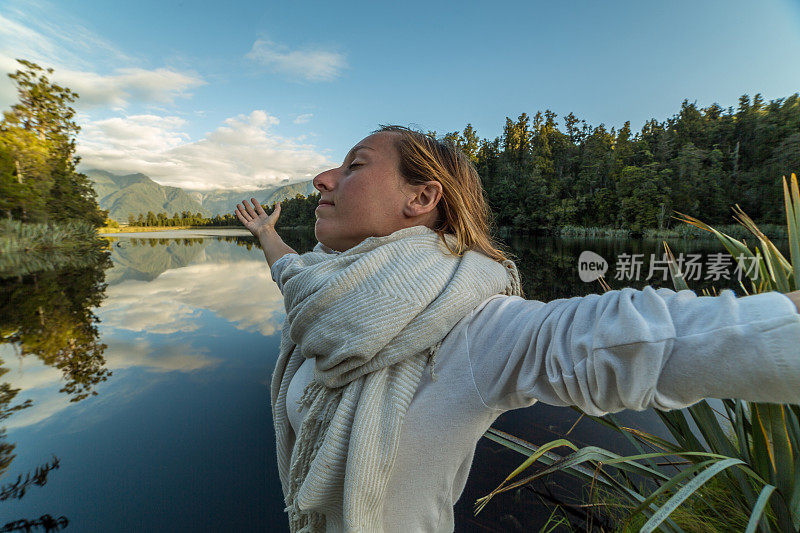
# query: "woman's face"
[[369, 196]]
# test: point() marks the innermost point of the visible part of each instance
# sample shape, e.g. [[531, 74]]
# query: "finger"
[[242, 212], [273, 217], [239, 216], [250, 210], [259, 210]]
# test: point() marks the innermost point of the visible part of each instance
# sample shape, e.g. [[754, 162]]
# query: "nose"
[[325, 180]]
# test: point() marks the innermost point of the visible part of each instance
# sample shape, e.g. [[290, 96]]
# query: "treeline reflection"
[[49, 315]]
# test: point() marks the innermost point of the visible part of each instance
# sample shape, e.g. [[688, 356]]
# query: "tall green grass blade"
[[764, 458], [794, 501], [709, 427], [796, 238], [687, 490], [776, 269], [759, 508], [677, 425], [792, 227], [677, 276], [676, 480], [784, 460], [538, 453], [743, 429]]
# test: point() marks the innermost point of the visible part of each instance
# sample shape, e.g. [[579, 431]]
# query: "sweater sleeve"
[[278, 266], [634, 349]]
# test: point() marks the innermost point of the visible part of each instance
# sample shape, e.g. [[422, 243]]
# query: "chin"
[[322, 236]]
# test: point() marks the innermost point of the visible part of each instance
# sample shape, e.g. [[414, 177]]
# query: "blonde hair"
[[463, 210]]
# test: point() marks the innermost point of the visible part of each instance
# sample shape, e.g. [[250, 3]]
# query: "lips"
[[325, 202]]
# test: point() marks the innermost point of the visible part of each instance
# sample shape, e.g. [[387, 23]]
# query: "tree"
[[38, 133]]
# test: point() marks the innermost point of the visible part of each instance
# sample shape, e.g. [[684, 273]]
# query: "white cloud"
[[243, 153], [310, 65], [125, 85], [75, 53], [304, 118]]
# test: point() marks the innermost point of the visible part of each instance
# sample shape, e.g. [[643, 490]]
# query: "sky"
[[246, 94]]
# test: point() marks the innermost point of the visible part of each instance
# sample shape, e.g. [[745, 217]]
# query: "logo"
[[591, 266]]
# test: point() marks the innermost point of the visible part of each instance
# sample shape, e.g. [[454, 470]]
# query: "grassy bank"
[[16, 236], [27, 247], [737, 231]]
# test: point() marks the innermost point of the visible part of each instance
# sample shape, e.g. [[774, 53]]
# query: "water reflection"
[[177, 333], [47, 316]]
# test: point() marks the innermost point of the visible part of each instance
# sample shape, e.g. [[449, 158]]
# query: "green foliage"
[[736, 472], [538, 176], [38, 176], [298, 211]]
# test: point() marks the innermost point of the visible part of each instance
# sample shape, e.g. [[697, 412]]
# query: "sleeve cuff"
[[767, 305], [277, 267], [757, 358], [780, 330]]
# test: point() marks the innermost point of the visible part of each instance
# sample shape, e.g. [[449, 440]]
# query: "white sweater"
[[625, 349]]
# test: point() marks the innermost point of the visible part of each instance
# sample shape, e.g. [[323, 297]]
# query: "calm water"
[[135, 397]]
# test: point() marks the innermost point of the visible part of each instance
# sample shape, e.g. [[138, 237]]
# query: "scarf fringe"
[[322, 403], [432, 359]]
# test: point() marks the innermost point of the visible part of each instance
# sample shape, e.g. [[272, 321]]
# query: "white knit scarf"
[[371, 317]]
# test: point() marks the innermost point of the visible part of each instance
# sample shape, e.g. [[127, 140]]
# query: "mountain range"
[[138, 193]]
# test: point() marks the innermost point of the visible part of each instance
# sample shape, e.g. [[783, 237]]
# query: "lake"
[[135, 390]]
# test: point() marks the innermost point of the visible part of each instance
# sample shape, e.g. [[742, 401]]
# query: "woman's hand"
[[255, 219]]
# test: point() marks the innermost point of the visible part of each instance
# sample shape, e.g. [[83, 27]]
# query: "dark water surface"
[[134, 391]]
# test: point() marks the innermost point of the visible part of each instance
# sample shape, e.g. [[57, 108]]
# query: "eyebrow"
[[356, 149]]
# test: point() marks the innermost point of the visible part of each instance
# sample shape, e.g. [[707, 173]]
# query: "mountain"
[[224, 201], [304, 188], [137, 193]]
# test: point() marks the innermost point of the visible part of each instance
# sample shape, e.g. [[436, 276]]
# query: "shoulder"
[[492, 312], [278, 266]]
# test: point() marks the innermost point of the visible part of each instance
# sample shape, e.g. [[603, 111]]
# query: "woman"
[[405, 270]]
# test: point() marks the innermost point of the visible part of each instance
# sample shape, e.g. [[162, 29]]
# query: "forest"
[[701, 161]]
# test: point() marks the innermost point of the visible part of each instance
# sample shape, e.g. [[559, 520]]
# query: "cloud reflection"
[[240, 292], [155, 326]]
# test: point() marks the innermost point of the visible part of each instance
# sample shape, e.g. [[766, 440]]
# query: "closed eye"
[[353, 165]]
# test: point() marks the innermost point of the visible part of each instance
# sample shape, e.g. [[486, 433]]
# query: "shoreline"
[[143, 229], [568, 231]]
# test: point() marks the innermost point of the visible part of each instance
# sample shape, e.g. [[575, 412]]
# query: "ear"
[[424, 198]]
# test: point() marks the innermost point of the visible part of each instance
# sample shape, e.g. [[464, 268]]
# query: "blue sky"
[[242, 94]]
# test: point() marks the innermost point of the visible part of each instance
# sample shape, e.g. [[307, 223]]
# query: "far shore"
[[139, 229], [736, 231], [147, 229]]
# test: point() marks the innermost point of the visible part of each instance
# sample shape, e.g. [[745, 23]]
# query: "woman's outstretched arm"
[[262, 226], [632, 349]]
